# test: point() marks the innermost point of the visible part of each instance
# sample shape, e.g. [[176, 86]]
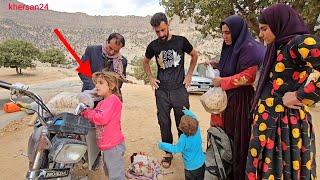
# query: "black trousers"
[[197, 174], [166, 100]]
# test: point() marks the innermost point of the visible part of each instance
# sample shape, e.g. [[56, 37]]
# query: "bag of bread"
[[214, 100], [68, 102]]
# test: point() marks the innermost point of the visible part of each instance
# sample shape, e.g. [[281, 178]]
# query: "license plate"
[[54, 173], [204, 87]]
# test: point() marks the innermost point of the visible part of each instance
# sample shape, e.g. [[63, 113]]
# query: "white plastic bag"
[[214, 100], [212, 73], [68, 102], [93, 94]]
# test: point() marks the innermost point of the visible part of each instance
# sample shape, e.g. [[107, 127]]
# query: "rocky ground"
[[139, 121]]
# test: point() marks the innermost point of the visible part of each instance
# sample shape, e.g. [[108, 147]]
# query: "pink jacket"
[[106, 116]]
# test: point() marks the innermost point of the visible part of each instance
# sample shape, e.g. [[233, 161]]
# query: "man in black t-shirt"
[[171, 82]]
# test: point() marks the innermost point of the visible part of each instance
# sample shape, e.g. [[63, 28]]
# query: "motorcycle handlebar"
[[5, 85], [13, 87], [21, 89]]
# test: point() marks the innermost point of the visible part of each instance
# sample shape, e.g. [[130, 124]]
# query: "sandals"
[[166, 161]]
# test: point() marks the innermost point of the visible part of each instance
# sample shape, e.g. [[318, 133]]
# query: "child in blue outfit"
[[190, 145]]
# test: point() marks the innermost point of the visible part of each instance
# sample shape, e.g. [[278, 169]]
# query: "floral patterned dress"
[[282, 144]]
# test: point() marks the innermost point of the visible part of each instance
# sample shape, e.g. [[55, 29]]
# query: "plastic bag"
[[68, 102], [93, 94], [214, 100], [212, 73], [86, 97]]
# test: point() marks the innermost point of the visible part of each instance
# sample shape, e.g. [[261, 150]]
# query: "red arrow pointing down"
[[84, 67]]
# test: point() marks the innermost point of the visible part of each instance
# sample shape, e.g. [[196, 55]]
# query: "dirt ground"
[[139, 122]]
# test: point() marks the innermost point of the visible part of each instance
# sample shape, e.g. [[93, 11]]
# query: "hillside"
[[82, 30]]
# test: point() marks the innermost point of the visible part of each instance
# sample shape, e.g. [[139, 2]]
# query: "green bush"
[[18, 54], [53, 56], [138, 71]]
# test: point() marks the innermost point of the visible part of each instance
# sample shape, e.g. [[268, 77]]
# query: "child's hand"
[[80, 108], [161, 145], [187, 112]]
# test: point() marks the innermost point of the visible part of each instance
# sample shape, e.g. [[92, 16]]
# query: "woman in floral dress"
[[282, 144]]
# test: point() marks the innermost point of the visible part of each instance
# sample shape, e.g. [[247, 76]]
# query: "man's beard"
[[113, 56], [107, 56], [165, 38]]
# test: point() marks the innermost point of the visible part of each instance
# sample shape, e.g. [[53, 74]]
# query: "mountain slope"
[[81, 30]]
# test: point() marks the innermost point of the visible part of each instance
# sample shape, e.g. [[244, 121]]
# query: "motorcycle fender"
[[33, 143], [44, 143], [37, 141], [93, 150]]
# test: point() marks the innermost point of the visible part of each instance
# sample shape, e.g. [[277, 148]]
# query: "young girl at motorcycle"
[[106, 116]]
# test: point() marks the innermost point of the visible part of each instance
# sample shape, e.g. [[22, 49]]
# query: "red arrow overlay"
[[84, 67]]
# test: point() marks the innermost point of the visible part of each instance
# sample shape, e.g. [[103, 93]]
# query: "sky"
[[102, 7]]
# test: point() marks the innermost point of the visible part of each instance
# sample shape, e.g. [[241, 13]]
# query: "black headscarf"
[[285, 23], [244, 51]]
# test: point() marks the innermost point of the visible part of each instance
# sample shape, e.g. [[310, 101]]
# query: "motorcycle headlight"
[[66, 150]]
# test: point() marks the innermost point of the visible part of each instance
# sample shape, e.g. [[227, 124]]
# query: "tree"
[[209, 13], [53, 56], [138, 71], [18, 54]]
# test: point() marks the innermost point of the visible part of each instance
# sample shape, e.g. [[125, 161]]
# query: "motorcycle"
[[58, 142]]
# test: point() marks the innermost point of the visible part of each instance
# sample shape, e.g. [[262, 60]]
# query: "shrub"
[[18, 54], [138, 71], [53, 56]]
